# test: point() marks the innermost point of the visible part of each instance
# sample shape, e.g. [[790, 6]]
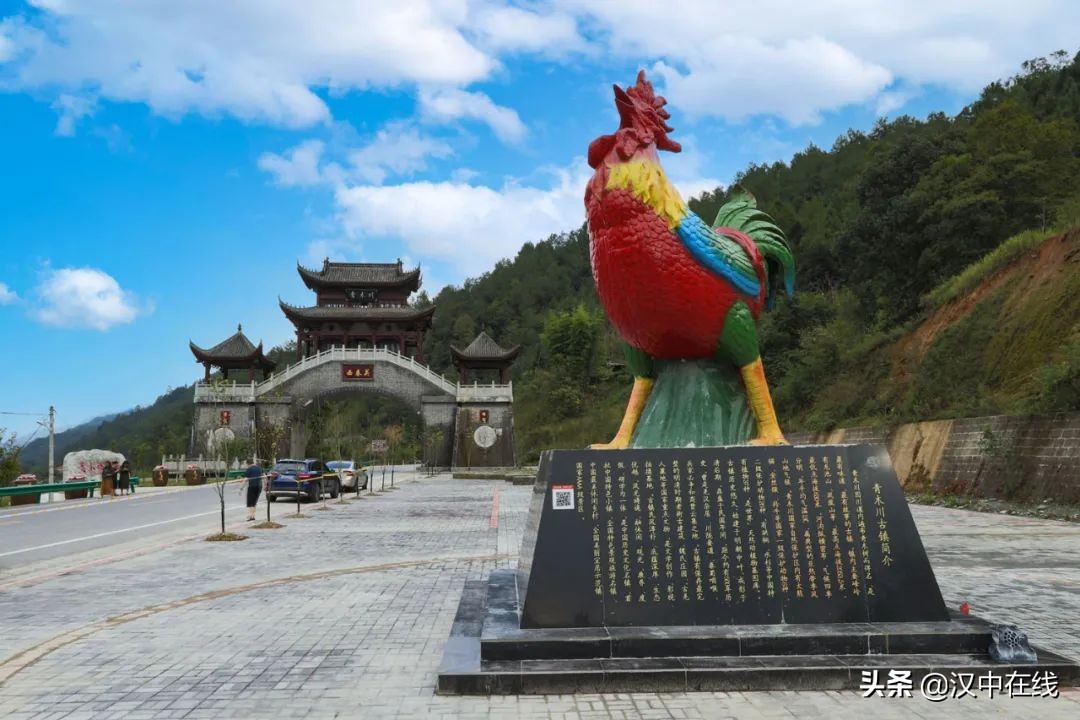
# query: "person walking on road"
[[254, 475]]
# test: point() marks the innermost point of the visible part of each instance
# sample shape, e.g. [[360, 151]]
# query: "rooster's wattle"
[[674, 287]]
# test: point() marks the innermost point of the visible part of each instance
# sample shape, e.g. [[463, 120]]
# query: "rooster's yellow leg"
[[638, 397], [757, 392]]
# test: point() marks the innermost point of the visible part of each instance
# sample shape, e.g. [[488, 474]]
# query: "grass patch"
[[267, 525], [297, 516], [970, 277], [226, 537]]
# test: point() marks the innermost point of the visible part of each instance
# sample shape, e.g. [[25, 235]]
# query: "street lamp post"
[[52, 444]]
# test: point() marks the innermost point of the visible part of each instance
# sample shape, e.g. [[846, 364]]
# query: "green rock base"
[[695, 403]]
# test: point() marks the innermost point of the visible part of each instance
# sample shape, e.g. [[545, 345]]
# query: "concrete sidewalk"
[[345, 612]]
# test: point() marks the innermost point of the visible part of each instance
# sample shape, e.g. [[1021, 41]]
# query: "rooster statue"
[[675, 288]]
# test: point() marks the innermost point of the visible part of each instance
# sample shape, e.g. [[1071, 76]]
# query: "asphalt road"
[[35, 533]]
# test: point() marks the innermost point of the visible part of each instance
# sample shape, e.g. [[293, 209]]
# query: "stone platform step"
[[502, 639], [487, 653], [766, 672]]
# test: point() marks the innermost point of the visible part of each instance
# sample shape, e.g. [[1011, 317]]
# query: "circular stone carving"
[[219, 436], [485, 436]]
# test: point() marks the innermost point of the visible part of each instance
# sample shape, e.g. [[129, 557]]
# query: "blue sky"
[[166, 164]]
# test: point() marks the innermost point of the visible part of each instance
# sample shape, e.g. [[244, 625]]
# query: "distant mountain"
[[92, 422], [143, 434], [36, 451]]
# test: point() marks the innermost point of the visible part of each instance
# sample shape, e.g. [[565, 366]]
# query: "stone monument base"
[[720, 568], [489, 654]]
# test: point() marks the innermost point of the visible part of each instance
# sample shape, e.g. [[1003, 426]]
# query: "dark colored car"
[[310, 478]]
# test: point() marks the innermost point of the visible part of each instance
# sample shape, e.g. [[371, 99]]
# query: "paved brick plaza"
[[345, 613]]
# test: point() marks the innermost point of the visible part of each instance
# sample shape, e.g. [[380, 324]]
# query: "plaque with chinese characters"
[[715, 536], [357, 372]]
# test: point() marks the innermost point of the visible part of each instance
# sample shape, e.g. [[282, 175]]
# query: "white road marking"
[[115, 532]]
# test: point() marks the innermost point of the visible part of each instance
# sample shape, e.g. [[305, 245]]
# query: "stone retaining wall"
[[1028, 458]]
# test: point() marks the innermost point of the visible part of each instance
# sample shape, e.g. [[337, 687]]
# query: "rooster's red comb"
[[643, 110]]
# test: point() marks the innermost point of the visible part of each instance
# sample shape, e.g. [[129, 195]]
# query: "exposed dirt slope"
[[1030, 307]]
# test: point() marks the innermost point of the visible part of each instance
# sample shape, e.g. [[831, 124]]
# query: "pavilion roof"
[[484, 348], [338, 274], [234, 351]]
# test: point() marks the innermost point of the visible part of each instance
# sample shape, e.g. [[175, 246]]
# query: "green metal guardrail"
[[40, 488]]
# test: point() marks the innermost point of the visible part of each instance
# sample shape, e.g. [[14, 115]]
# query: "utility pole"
[[52, 444]]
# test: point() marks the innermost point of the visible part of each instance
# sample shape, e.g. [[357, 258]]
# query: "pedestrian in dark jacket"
[[123, 477], [254, 475]]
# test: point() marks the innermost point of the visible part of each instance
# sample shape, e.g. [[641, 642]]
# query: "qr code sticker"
[[562, 498]]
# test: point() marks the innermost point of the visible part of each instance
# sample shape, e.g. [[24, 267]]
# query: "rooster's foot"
[[771, 439], [638, 396], [617, 444]]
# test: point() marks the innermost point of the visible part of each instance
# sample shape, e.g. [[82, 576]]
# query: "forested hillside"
[[882, 224], [891, 228]]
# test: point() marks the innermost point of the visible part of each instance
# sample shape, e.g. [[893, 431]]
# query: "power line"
[[29, 440], [25, 414]]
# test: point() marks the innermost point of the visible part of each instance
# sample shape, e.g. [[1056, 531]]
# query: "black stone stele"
[[737, 568], [718, 536]]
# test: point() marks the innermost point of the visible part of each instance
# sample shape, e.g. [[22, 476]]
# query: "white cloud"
[[793, 80], [7, 295], [396, 150], [271, 60], [894, 99], [298, 167], [796, 60], [7, 45], [71, 109], [253, 59], [468, 226], [85, 297], [452, 104], [514, 28]]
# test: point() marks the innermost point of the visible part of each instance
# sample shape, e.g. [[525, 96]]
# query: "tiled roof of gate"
[[359, 275], [355, 313]]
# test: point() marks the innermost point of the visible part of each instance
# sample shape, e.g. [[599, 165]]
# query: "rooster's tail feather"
[[741, 213]]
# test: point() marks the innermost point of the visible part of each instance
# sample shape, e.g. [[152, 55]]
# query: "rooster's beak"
[[624, 105]]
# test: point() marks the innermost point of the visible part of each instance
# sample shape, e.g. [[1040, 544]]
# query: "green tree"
[[464, 329], [9, 458]]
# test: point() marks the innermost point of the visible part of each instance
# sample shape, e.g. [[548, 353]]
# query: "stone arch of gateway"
[[362, 336]]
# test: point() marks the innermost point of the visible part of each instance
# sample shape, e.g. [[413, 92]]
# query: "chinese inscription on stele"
[[734, 535]]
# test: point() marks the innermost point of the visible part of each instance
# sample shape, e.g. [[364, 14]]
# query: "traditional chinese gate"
[[472, 423]]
